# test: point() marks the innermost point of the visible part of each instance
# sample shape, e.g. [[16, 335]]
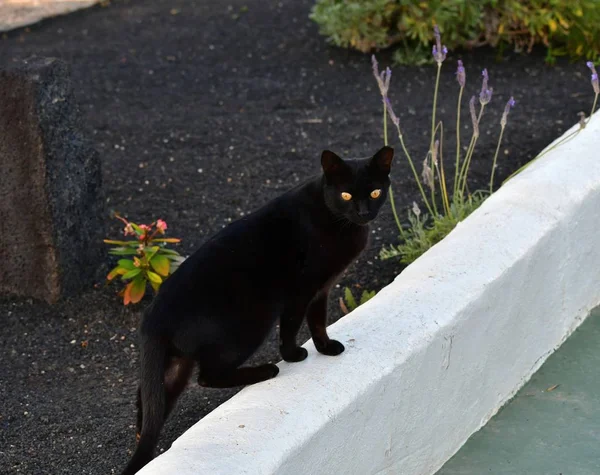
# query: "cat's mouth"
[[360, 220]]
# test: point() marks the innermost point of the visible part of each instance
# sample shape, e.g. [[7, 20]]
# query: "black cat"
[[276, 263]]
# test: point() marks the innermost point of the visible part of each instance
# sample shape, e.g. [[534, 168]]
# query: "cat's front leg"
[[316, 317], [289, 324]]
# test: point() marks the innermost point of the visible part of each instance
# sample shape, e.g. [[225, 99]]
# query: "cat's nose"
[[362, 211]]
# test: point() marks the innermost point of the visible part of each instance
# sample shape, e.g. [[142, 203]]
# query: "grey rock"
[[51, 205]]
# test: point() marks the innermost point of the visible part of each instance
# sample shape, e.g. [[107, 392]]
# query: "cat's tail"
[[152, 359]]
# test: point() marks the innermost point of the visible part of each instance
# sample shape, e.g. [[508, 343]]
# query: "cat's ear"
[[332, 164], [382, 160]]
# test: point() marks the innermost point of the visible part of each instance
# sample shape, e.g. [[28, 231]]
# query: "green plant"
[[564, 28], [423, 233], [148, 260], [348, 302], [446, 206]]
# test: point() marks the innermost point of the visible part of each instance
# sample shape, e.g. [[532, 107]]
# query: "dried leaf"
[[343, 306]]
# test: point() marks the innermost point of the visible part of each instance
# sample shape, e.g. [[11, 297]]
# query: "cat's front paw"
[[294, 355], [330, 348]]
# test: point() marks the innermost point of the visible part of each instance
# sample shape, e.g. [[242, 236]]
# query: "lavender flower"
[[474, 117], [511, 103], [427, 175], [393, 116], [439, 52], [485, 96], [461, 76], [595, 84], [383, 78]]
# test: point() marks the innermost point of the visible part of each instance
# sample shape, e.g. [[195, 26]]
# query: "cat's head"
[[356, 189]]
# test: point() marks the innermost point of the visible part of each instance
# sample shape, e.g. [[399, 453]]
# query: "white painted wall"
[[437, 352]]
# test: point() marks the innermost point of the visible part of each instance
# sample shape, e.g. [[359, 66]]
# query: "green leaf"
[[366, 296], [115, 272], [155, 286], [122, 251], [173, 240], [138, 289], [127, 264], [170, 252], [131, 274], [349, 298], [150, 252], [139, 231], [154, 277], [160, 264], [176, 262], [176, 258], [119, 243]]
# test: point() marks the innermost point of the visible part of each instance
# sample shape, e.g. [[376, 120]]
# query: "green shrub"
[[563, 27], [349, 303], [144, 259]]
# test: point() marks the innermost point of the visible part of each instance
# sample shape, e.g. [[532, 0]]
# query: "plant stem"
[[593, 107], [398, 224], [464, 172], [494, 162], [433, 112], [391, 192], [416, 175], [385, 134], [443, 187], [457, 139]]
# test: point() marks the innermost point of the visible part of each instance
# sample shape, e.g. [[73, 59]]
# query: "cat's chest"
[[336, 250]]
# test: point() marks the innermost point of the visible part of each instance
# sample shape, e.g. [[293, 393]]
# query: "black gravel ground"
[[202, 111]]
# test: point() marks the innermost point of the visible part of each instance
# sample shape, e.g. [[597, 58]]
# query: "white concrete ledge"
[[437, 352], [18, 13]]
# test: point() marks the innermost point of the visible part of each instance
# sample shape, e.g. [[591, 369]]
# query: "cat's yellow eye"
[[346, 196], [375, 194]]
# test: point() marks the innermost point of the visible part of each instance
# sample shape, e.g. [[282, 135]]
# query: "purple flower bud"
[[474, 119], [439, 52], [595, 84], [388, 77], [511, 103], [485, 96], [383, 78], [461, 76]]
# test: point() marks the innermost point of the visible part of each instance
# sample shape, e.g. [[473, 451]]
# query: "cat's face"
[[356, 189]]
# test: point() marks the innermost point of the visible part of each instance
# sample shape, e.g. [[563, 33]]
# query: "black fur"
[[277, 263]]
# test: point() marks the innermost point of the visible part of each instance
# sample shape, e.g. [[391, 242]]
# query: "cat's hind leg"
[[237, 377], [176, 379]]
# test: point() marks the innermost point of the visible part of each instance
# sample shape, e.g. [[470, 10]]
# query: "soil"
[[202, 111]]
